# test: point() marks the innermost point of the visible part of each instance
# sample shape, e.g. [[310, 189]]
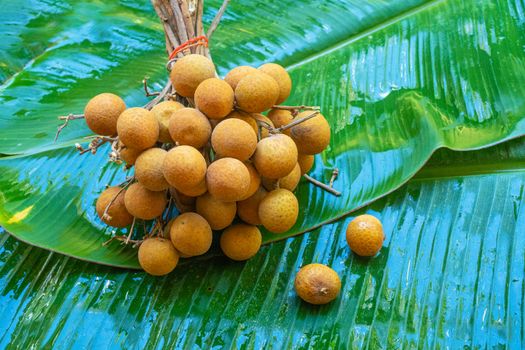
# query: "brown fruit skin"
[[129, 155], [120, 217], [228, 179], [278, 210], [236, 74], [148, 169], [214, 97], [194, 191], [241, 242], [184, 167], [191, 234], [282, 78], [289, 182], [138, 128], [248, 209], [306, 161], [317, 284], [234, 138], [163, 112], [218, 214], [264, 131], [275, 156], [143, 203], [157, 256], [311, 136], [190, 127], [189, 71], [247, 117], [255, 180], [281, 117], [256, 92], [102, 112], [185, 203], [365, 235]]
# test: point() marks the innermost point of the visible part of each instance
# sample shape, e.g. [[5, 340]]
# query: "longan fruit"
[[317, 284], [184, 167], [148, 169], [241, 242], [256, 92], [191, 234], [219, 214], [311, 136], [278, 210], [214, 97], [289, 182], [264, 131], [157, 256], [163, 112], [275, 156], [138, 128], [234, 138], [247, 117], [190, 127], [282, 78], [194, 191], [228, 179], [248, 209], [129, 155], [306, 161], [117, 214], [255, 180], [237, 74], [365, 235], [189, 71], [102, 112], [281, 117], [143, 203]]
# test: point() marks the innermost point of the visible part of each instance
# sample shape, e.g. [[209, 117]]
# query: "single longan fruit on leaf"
[[102, 112], [365, 235], [236, 74], [191, 234], [278, 210], [228, 179], [190, 127], [289, 182], [311, 136], [157, 256], [306, 161], [194, 191], [240, 241], [138, 128], [117, 214], [218, 214], [128, 155], [214, 97], [255, 180], [248, 209], [189, 71], [275, 156], [184, 167], [256, 92], [282, 78], [247, 117], [163, 112], [281, 117], [234, 138], [148, 169], [317, 284], [143, 203]]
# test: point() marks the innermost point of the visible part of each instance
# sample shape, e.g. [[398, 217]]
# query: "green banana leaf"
[[400, 81], [451, 274]]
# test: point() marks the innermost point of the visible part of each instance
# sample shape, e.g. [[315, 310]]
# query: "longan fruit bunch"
[[224, 153]]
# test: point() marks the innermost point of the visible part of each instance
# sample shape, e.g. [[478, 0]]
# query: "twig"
[[131, 230], [217, 19], [124, 240], [335, 174], [105, 214], [294, 123], [146, 89], [165, 91], [299, 108], [66, 121], [322, 185]]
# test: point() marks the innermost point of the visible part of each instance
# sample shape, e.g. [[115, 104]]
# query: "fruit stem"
[[67, 118], [295, 108], [335, 174], [146, 89], [322, 185], [125, 184], [294, 123], [217, 19], [128, 238]]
